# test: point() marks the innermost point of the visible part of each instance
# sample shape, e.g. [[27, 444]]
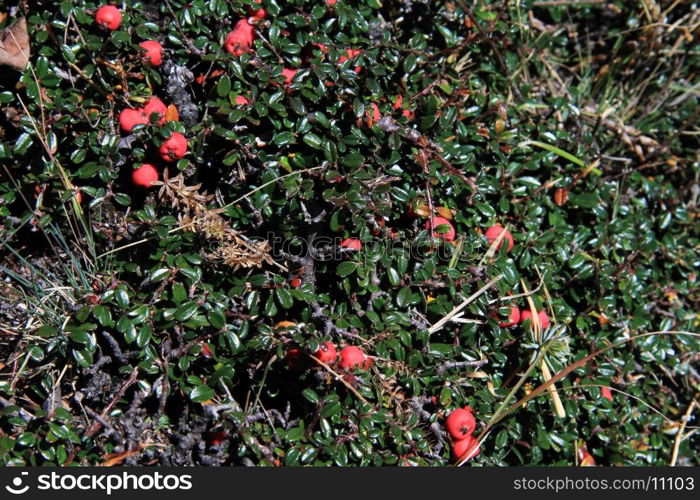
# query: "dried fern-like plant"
[[230, 247]]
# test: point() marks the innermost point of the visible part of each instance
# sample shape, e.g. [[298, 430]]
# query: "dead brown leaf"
[[14, 45]]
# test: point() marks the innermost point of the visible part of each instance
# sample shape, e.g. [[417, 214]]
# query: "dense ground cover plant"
[[306, 232]]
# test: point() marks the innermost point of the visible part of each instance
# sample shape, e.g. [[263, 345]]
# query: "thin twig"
[[520, 295], [97, 425], [340, 378]]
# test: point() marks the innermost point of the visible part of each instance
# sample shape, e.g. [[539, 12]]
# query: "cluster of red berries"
[[460, 425], [109, 17], [131, 117], [240, 40], [443, 229], [521, 316], [351, 357], [398, 104], [493, 233], [174, 147]]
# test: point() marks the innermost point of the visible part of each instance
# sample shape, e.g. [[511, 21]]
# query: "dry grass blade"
[[493, 248], [520, 295], [552, 314], [546, 374], [464, 304], [679, 436]]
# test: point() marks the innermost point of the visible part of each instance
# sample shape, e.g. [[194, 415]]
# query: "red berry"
[[441, 221], [154, 52], [296, 359], [397, 106], [145, 175], [295, 283], [351, 244], [606, 393], [331, 2], [79, 197], [352, 357], [216, 437], [526, 314], [174, 147], [155, 105], [242, 101], [460, 423], [376, 115], [240, 40], [327, 353], [129, 118], [288, 75], [513, 317], [466, 448], [206, 350], [351, 54], [108, 16], [259, 13], [494, 231], [544, 319]]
